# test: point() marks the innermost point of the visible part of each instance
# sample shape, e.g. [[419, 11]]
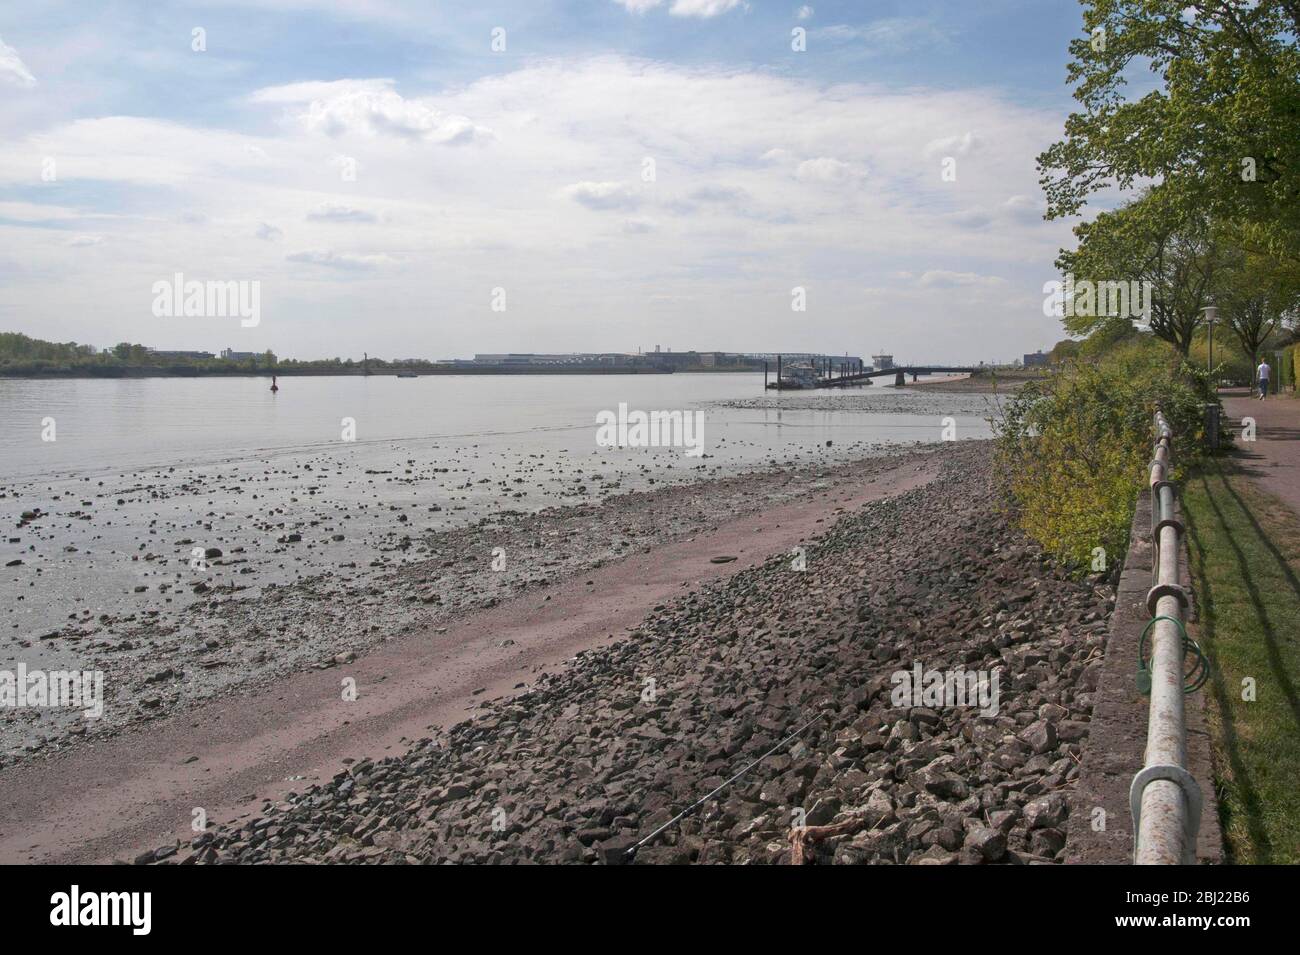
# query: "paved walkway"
[[1273, 458]]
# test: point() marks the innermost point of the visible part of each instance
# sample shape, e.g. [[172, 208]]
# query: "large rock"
[[1046, 812]]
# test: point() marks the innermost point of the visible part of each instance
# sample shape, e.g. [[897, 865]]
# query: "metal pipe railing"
[[1164, 798]]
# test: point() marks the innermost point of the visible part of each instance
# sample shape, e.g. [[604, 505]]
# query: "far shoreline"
[[110, 374]]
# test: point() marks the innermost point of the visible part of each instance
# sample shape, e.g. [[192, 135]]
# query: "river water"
[[128, 424], [129, 476]]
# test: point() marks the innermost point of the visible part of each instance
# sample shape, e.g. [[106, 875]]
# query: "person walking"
[[1262, 373]]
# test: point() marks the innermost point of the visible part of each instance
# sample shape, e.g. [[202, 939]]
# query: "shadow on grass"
[[1251, 805], [1276, 663], [1264, 539]]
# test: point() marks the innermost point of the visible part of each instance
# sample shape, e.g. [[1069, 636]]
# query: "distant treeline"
[[23, 356]]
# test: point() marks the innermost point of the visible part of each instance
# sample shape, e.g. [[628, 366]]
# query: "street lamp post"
[[1211, 316], [1212, 407]]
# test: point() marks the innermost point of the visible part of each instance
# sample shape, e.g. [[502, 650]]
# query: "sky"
[[433, 179]]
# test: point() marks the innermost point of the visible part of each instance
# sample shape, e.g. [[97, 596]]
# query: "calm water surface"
[[143, 470], [125, 424]]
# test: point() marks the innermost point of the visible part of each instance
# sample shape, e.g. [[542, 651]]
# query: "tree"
[[1063, 350], [1256, 296], [1158, 256], [1220, 132]]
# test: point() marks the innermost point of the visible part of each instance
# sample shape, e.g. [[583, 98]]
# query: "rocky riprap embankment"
[[578, 768]]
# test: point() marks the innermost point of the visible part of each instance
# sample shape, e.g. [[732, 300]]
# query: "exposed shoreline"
[[977, 384], [261, 735], [235, 625], [563, 758], [583, 764]]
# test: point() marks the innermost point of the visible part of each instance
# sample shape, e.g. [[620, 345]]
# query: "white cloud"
[[1024, 209], [702, 8], [892, 35], [826, 169], [82, 241], [370, 108], [962, 145], [602, 195], [941, 278], [719, 193], [554, 209], [639, 6], [969, 219], [42, 212], [333, 212], [805, 12], [685, 8], [292, 93], [12, 68], [344, 261]]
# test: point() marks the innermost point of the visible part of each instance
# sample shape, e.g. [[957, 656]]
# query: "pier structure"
[[833, 375]]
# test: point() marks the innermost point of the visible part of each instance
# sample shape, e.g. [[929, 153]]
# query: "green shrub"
[[1230, 364], [1074, 450]]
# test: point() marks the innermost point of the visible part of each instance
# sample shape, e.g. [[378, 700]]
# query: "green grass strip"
[[1245, 556]]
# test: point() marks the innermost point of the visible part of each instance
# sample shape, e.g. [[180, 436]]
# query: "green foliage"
[[1074, 449], [1257, 297], [1173, 253], [1108, 336], [17, 347], [1063, 351], [21, 355], [1219, 131], [1230, 364]]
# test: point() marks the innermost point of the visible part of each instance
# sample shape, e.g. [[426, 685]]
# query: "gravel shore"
[[284, 590], [974, 384], [599, 755], [890, 401]]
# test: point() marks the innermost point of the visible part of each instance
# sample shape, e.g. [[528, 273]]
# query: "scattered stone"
[[585, 765]]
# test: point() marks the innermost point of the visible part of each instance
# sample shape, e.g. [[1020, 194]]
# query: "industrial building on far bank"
[[665, 359]]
